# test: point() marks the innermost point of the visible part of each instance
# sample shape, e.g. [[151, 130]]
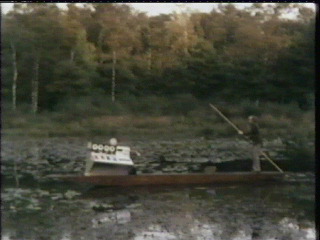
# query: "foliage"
[[227, 55]]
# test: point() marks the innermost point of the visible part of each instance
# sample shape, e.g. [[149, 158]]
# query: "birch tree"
[[15, 77], [41, 24], [117, 37], [35, 85], [11, 32]]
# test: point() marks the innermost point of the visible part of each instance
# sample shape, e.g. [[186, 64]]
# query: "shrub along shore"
[[180, 118], [183, 116]]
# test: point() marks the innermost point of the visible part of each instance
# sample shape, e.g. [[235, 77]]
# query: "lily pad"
[[71, 194]]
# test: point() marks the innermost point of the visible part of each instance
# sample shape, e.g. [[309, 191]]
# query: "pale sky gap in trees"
[[153, 9]]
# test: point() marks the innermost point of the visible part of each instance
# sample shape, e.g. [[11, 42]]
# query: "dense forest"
[[98, 53]]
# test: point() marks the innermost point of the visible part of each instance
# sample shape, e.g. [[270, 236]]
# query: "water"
[[44, 209], [235, 212]]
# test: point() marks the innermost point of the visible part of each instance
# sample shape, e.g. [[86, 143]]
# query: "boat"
[[111, 165], [173, 179]]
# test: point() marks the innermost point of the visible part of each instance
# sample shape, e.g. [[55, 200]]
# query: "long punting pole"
[[236, 128]]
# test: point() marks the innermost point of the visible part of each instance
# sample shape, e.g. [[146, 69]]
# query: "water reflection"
[[115, 217], [66, 236], [264, 212], [205, 231], [155, 232]]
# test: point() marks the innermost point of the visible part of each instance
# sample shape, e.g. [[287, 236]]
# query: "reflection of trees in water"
[[155, 232], [116, 217], [203, 231], [235, 213]]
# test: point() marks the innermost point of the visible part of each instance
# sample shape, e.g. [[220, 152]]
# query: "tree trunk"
[[35, 86], [15, 77], [185, 35], [71, 55], [113, 84], [149, 59], [100, 43]]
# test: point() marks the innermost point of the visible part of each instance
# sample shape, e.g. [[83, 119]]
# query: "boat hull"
[[177, 179]]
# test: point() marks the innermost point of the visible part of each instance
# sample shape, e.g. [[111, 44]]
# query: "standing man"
[[253, 134]]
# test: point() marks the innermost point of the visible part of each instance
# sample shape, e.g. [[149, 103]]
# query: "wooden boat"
[[104, 168], [173, 179]]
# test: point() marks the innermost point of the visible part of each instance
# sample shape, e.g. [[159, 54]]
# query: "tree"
[[39, 22], [11, 33], [296, 67], [52, 54], [118, 37]]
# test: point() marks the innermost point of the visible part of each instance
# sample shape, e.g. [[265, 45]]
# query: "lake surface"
[[44, 209]]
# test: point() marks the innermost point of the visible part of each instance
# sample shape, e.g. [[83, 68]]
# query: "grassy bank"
[[184, 116], [159, 119]]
